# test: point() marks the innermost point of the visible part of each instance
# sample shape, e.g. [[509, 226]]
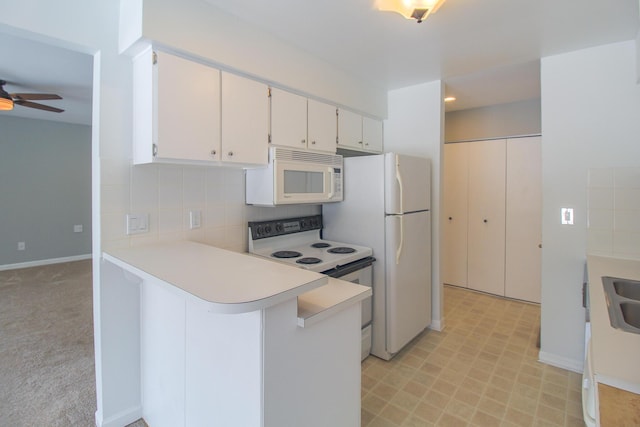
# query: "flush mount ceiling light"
[[449, 98], [410, 9]]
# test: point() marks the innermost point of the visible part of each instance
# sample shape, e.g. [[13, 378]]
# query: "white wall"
[[414, 127], [496, 121], [590, 119]]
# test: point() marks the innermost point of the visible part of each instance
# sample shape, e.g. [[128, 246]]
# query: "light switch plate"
[[566, 216], [77, 228], [137, 223]]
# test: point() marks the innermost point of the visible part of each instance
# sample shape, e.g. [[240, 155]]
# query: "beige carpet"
[[46, 346]]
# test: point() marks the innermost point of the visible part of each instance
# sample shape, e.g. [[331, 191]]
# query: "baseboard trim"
[[120, 419], [561, 362], [437, 324], [44, 262]]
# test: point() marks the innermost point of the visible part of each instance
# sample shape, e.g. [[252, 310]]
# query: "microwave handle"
[[331, 180]]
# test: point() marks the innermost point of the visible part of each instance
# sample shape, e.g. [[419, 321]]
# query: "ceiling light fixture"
[[449, 99], [410, 9], [6, 102]]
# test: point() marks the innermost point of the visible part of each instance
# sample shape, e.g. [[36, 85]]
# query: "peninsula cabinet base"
[[251, 369]]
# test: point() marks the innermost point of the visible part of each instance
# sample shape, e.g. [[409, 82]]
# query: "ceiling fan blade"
[[37, 106], [35, 96]]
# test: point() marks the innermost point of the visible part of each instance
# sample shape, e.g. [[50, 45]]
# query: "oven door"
[[361, 273]]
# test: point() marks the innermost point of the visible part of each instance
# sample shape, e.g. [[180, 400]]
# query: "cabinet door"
[[187, 109], [349, 130], [486, 245], [245, 120], [322, 126], [372, 134], [454, 214], [288, 119], [524, 216]]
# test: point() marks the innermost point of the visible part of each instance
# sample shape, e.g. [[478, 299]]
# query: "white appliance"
[[297, 242], [387, 207], [295, 177]]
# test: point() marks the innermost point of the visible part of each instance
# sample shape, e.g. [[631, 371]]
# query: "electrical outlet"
[[77, 228], [21, 246], [137, 223]]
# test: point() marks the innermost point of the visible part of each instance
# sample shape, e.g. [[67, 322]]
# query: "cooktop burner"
[[309, 260], [341, 250], [320, 245], [286, 254]]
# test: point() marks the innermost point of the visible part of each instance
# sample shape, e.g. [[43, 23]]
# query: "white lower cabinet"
[[492, 216], [251, 369]]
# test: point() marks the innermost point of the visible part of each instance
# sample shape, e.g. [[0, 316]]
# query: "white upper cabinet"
[[245, 120], [176, 109], [372, 134], [349, 130], [356, 132], [288, 119], [321, 126]]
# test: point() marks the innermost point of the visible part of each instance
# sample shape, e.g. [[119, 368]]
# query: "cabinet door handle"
[[360, 142], [230, 153], [450, 218], [313, 143], [213, 152], [304, 141], [485, 221]]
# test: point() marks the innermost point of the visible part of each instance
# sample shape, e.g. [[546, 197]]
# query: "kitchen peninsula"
[[230, 339]]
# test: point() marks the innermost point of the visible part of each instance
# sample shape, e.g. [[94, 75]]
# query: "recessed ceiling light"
[[449, 99]]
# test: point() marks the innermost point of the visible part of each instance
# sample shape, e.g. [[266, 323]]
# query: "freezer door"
[[408, 277], [407, 183]]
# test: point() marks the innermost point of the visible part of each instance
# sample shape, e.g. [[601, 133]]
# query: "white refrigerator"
[[387, 207]]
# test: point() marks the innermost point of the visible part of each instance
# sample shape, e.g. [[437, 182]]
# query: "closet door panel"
[[454, 214], [523, 219], [486, 246]]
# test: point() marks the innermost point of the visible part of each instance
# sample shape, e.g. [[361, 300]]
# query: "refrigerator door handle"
[[399, 179], [401, 243]]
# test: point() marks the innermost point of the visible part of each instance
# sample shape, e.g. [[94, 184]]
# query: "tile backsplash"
[[614, 211], [169, 192]]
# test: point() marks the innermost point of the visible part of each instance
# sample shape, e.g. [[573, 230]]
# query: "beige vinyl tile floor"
[[482, 370]]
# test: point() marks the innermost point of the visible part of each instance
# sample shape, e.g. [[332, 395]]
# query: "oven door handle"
[[343, 270]]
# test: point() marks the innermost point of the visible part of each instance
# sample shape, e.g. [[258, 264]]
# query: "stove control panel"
[[281, 227]]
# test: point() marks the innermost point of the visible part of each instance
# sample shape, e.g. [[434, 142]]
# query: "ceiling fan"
[[7, 100]]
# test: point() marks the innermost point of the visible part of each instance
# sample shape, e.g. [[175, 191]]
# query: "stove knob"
[[259, 230], [267, 229], [304, 224], [279, 228]]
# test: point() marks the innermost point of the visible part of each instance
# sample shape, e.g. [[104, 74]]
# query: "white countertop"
[[322, 302], [230, 282], [616, 353]]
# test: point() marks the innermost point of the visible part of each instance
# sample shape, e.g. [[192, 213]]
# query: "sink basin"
[[627, 288], [623, 303], [631, 313]]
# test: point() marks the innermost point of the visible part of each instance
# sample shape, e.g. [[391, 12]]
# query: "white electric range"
[[298, 242]]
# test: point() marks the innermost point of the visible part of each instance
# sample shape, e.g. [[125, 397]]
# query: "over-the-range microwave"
[[295, 177]]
